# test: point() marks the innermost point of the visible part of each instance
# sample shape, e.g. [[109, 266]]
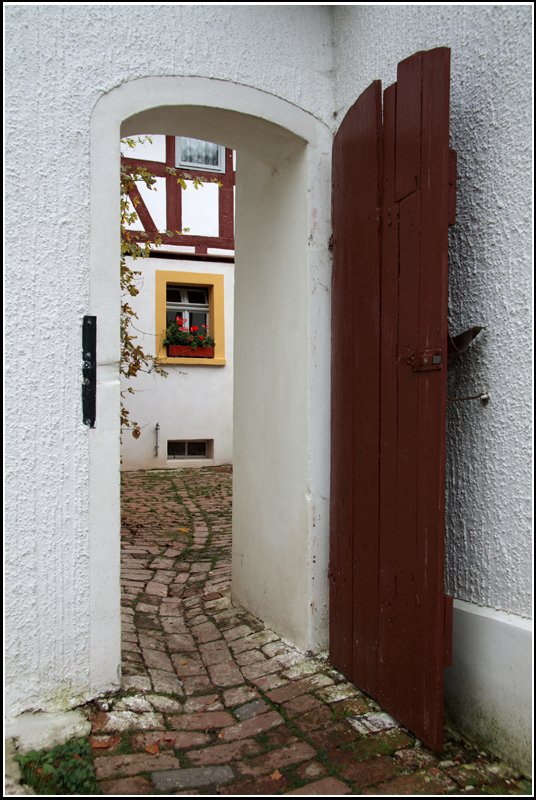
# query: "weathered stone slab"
[[192, 778]]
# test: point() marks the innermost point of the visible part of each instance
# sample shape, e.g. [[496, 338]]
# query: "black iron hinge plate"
[[89, 370]]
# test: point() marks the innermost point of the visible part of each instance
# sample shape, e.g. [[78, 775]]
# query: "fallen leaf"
[[105, 744], [276, 775], [152, 749]]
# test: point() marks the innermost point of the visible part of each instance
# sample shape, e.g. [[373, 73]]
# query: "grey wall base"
[[489, 687]]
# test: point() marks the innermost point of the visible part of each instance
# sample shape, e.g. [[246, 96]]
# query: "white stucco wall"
[[488, 449], [488, 475], [59, 61], [192, 402]]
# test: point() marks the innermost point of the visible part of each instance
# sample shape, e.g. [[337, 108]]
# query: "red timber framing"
[[390, 622], [225, 239]]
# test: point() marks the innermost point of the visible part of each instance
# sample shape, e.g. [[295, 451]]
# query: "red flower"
[[200, 338], [179, 320], [194, 328]]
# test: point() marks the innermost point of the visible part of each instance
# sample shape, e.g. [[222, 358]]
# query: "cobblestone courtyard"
[[215, 703]]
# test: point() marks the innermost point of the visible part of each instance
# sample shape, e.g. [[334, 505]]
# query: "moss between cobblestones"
[[184, 761], [124, 748], [291, 774], [264, 740], [332, 769]]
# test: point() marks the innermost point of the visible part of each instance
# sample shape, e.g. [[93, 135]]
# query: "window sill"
[[192, 362]]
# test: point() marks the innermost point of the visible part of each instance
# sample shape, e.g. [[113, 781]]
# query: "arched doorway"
[[282, 349]]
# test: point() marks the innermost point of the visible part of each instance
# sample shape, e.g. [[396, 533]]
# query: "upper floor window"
[[197, 154]]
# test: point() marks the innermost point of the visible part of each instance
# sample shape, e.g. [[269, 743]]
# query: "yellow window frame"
[[214, 284]]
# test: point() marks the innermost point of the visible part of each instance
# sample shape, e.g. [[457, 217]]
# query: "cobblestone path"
[[214, 703]]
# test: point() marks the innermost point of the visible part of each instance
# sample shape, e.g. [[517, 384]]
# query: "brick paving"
[[213, 703]]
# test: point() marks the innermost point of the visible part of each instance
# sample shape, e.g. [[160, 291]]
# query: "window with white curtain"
[[198, 154]]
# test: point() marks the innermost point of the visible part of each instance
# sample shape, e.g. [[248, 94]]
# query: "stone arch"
[[282, 349]]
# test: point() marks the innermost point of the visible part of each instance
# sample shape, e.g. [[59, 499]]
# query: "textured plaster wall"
[[59, 61], [488, 452]]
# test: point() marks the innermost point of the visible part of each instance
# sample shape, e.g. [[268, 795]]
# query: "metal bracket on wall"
[[483, 397], [459, 344], [89, 370]]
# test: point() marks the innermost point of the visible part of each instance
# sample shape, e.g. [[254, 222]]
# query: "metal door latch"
[[426, 360]]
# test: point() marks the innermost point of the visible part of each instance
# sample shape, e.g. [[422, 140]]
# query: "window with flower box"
[[196, 301]]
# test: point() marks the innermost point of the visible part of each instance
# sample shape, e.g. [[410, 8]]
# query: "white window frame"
[[184, 307], [195, 165]]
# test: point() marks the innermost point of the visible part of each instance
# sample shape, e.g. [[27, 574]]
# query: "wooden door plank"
[[408, 116], [390, 543], [408, 432], [355, 388], [433, 299], [366, 390]]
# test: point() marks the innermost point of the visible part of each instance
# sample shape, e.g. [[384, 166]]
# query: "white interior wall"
[[192, 402], [270, 520]]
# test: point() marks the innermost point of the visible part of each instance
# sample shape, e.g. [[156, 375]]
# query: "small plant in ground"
[[66, 769]]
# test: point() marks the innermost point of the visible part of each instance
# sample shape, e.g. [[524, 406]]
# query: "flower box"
[[183, 351]]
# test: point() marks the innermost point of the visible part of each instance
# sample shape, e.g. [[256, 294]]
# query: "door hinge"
[[89, 370]]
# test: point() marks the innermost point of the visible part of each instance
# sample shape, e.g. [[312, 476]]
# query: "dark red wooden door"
[[389, 618]]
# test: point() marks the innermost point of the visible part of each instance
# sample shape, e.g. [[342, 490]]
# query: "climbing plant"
[[136, 245]]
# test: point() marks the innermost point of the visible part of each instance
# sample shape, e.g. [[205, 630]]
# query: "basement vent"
[[196, 448]]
